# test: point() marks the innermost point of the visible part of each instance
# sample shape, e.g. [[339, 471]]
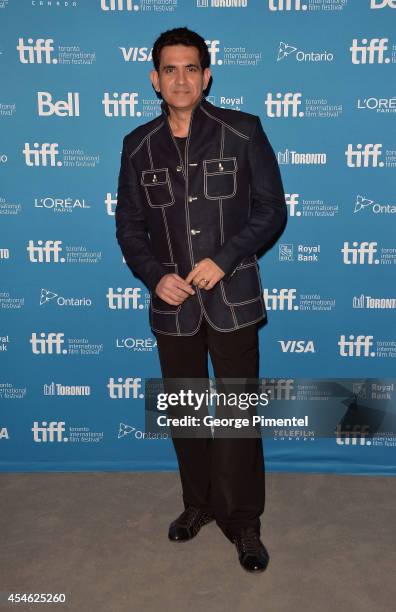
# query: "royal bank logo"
[[360, 253], [380, 4], [305, 253], [363, 203], [370, 51], [364, 156], [356, 346], [285, 51], [62, 108], [121, 104]]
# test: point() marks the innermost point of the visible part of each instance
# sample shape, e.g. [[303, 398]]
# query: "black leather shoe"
[[187, 525], [253, 556]]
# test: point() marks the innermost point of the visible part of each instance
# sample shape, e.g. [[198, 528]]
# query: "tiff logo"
[[38, 155], [118, 5], [280, 299], [283, 103], [45, 254], [38, 52], [369, 155], [213, 48], [110, 204], [125, 299], [286, 5], [47, 344], [359, 347], [122, 388], [355, 436], [122, 107], [359, 253], [369, 52], [292, 203], [49, 432]]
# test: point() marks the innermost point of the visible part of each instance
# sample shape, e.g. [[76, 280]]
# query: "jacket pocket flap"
[[154, 177], [220, 166]]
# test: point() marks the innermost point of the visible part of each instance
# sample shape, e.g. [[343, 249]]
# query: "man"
[[199, 194]]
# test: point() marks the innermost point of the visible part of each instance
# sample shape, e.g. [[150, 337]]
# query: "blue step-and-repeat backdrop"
[[75, 343]]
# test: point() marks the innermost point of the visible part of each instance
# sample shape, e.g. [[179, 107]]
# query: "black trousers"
[[223, 475]]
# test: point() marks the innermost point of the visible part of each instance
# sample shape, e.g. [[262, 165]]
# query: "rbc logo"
[[280, 107], [359, 347], [46, 107], [371, 52], [47, 344], [359, 253], [49, 253], [213, 48], [286, 5], [38, 156], [282, 300], [370, 153], [292, 203], [379, 4], [118, 107], [122, 389], [42, 48], [49, 432], [125, 299]]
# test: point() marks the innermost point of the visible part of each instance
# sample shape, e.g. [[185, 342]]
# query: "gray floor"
[[102, 539]]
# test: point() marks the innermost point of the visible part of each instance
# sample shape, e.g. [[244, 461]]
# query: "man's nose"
[[181, 77]]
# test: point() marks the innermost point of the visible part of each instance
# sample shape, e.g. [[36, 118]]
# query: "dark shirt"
[[180, 141]]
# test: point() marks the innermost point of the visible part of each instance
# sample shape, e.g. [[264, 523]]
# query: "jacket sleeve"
[[131, 232], [268, 208]]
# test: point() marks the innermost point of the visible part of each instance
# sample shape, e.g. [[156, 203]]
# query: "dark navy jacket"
[[226, 202]]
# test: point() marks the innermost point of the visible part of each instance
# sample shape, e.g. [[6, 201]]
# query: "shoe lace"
[[248, 542]]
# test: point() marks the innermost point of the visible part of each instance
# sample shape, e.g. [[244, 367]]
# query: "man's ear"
[[207, 75], [155, 80]]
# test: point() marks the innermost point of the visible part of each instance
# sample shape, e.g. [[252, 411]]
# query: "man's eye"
[[192, 68]]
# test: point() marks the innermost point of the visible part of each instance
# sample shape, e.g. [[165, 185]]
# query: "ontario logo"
[[363, 203], [285, 50], [47, 296]]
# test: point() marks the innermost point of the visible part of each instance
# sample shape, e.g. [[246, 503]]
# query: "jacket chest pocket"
[[220, 180], [158, 187]]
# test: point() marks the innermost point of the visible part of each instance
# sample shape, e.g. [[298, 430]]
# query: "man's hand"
[[173, 289], [205, 274]]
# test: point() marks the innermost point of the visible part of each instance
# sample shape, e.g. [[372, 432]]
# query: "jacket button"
[[191, 198], [178, 168], [195, 231]]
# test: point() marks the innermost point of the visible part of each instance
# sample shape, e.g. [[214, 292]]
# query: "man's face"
[[180, 79]]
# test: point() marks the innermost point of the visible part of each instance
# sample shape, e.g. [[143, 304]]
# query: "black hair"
[[181, 36]]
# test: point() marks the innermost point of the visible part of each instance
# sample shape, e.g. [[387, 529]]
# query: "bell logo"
[[379, 4], [125, 299], [359, 347], [46, 107], [47, 252], [297, 346], [40, 155], [47, 344], [359, 253], [286, 5], [49, 432], [122, 388], [213, 48], [369, 155], [118, 107], [282, 299], [38, 52], [280, 107], [371, 52], [292, 203]]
